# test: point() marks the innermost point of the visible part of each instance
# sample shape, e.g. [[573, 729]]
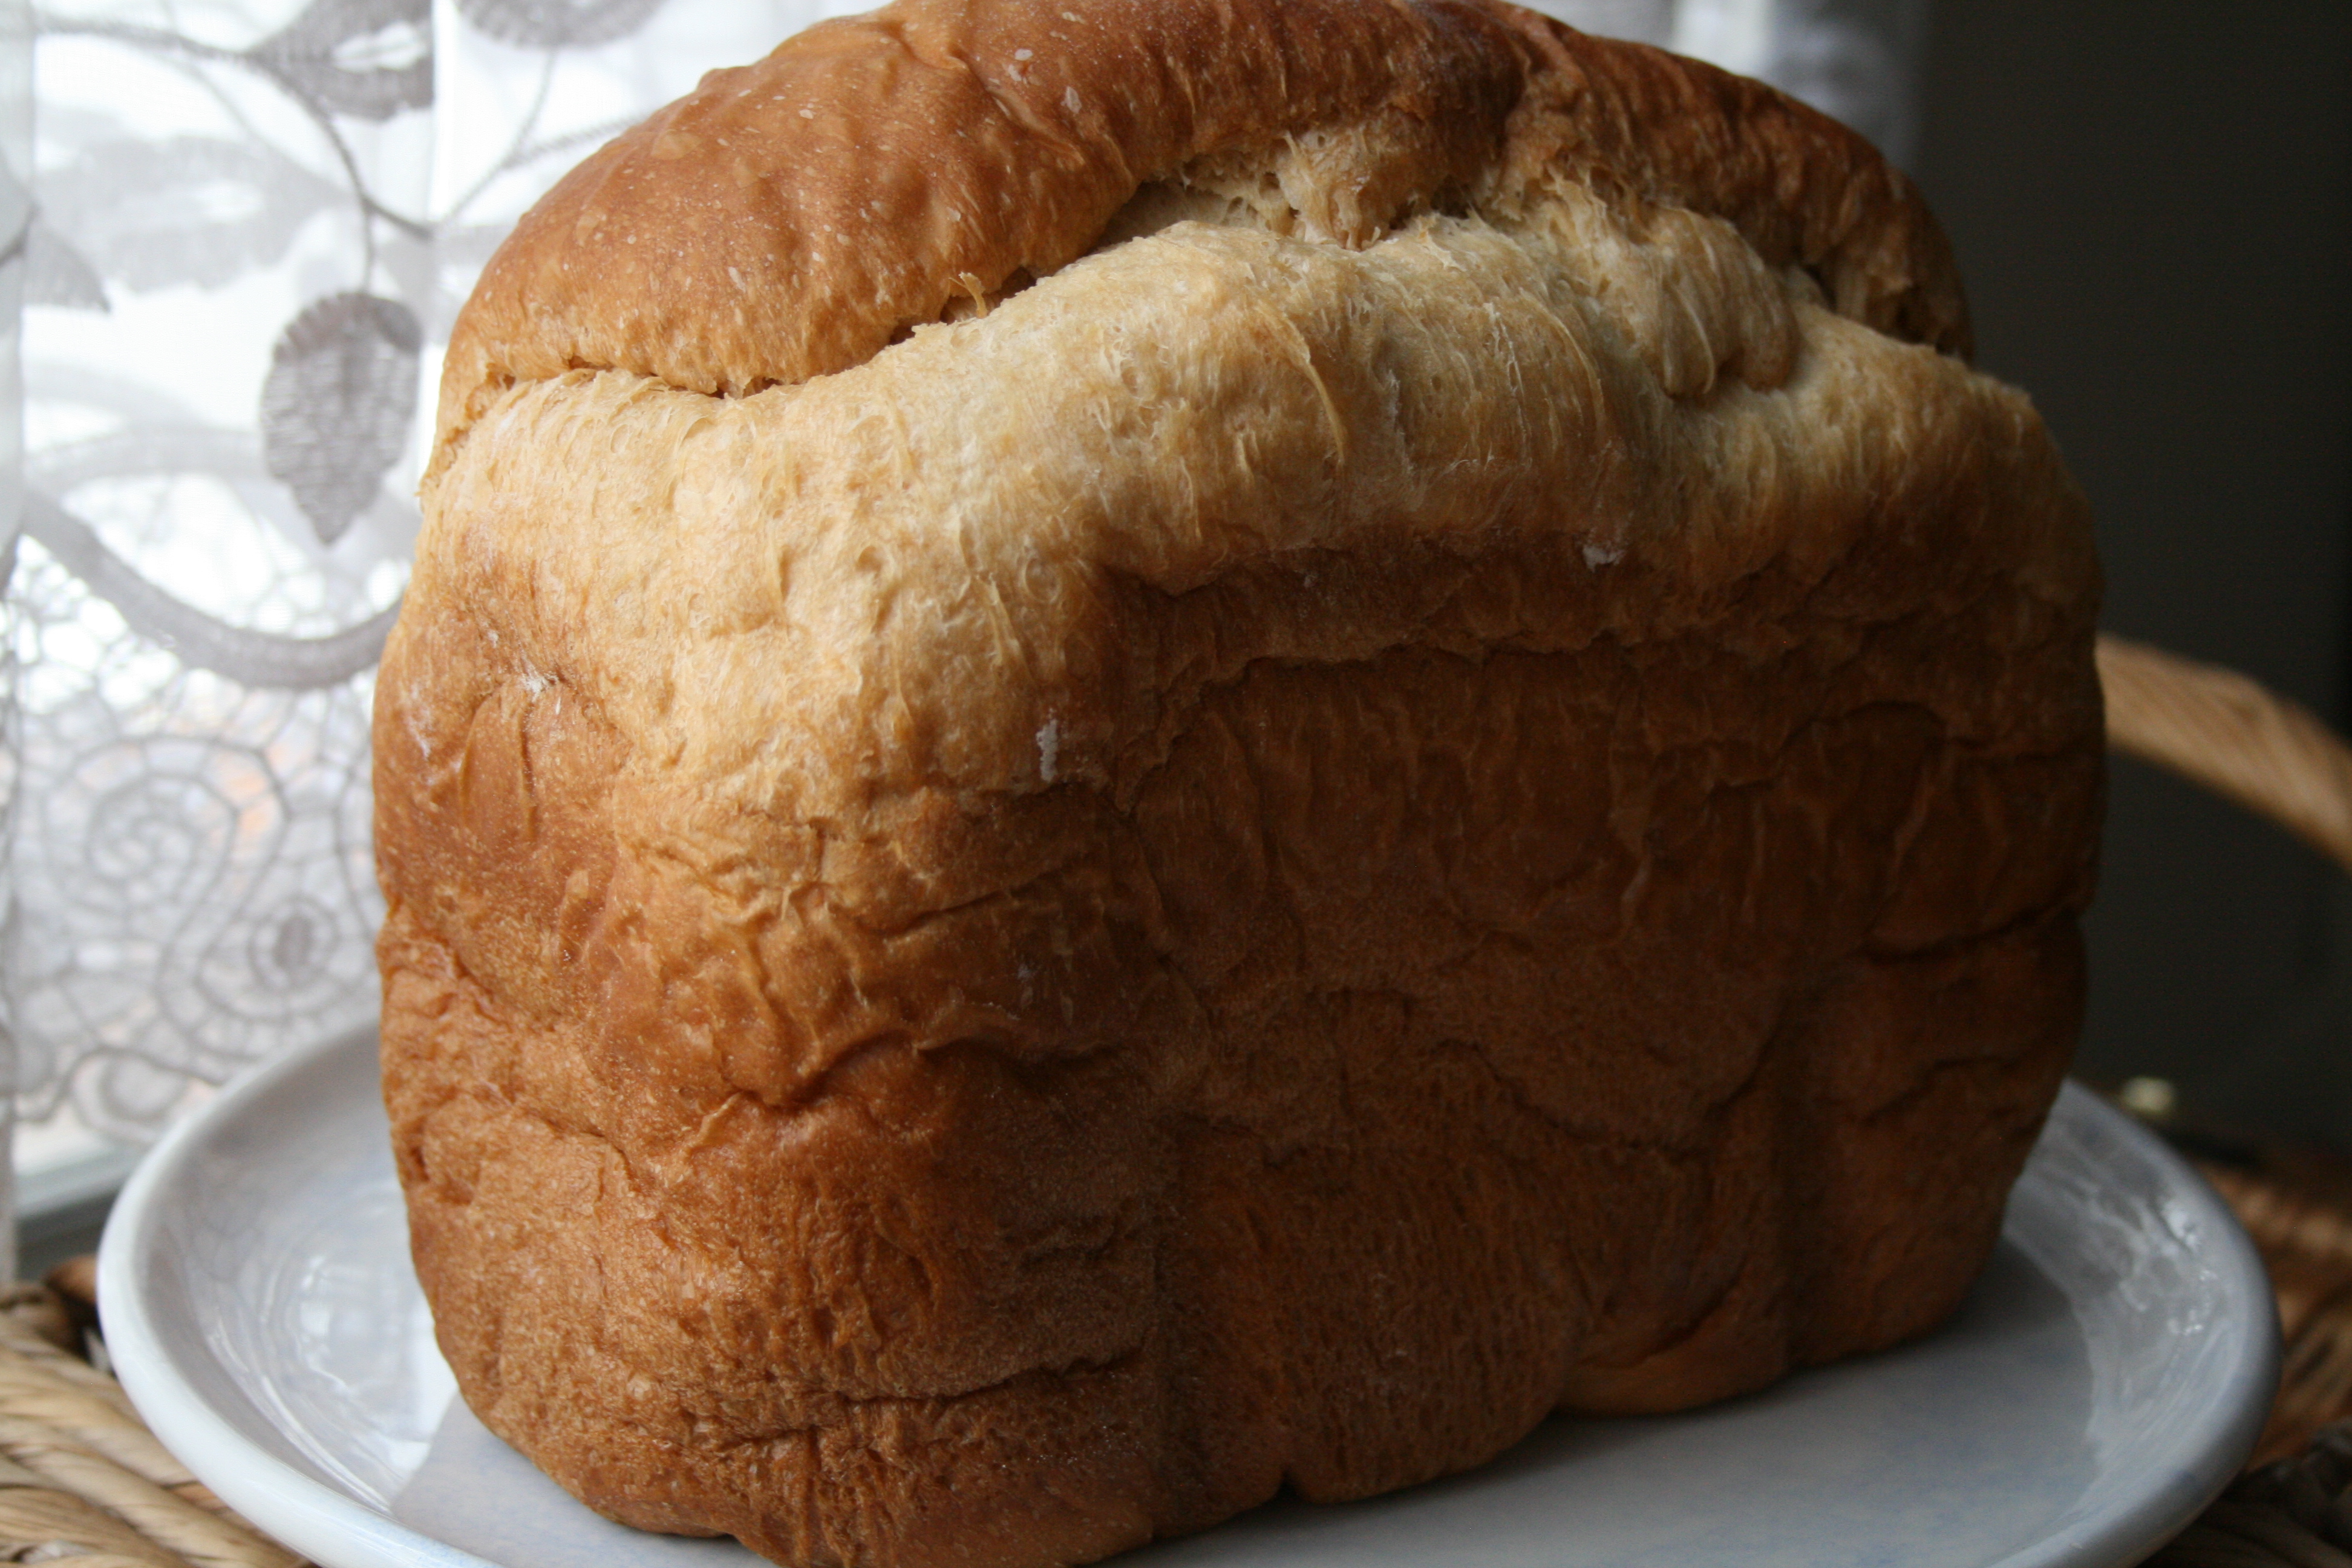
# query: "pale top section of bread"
[[790, 218], [911, 572]]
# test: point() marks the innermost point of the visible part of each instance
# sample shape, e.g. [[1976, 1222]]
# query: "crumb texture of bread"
[[1149, 750]]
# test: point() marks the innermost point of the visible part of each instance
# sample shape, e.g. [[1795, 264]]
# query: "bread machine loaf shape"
[[1146, 749]]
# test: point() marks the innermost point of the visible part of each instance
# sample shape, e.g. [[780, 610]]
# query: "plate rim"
[[298, 1510], [330, 1527], [2171, 1504]]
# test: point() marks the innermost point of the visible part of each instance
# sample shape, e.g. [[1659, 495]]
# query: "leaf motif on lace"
[[337, 407], [368, 58], [558, 24]]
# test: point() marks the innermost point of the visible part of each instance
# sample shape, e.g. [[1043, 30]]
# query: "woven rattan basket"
[[84, 1485]]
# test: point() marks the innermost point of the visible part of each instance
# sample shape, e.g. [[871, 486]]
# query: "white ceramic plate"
[[2105, 1378]]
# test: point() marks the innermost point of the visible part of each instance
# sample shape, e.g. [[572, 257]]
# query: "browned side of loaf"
[[1402, 800]]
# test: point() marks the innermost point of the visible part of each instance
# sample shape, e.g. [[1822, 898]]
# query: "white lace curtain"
[[249, 225]]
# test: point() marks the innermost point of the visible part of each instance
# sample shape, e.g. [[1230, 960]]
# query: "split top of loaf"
[[791, 218]]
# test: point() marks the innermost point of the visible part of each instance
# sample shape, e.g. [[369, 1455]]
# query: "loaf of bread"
[[1148, 749]]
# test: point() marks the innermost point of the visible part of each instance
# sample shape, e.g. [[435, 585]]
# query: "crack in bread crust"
[[791, 218], [1256, 863]]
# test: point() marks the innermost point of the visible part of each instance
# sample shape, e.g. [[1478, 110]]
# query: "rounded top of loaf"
[[790, 218]]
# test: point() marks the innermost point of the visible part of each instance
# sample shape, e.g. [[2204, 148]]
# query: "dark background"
[[2152, 204]]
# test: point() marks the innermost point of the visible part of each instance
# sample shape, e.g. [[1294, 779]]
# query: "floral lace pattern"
[[251, 227]]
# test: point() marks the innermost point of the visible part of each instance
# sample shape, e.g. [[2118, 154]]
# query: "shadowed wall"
[[2153, 210]]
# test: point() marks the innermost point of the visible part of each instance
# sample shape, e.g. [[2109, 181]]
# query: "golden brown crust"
[[789, 219], [1801, 189], [1331, 828]]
